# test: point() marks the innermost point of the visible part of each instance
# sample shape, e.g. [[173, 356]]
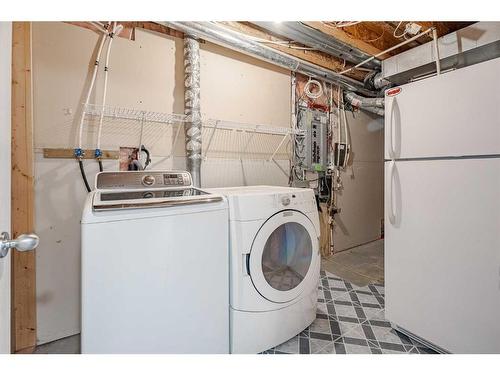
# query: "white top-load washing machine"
[[274, 264], [154, 266]]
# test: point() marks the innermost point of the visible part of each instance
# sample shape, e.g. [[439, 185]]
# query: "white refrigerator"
[[442, 209]]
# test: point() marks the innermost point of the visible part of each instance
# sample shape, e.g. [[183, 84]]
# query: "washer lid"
[[282, 256]]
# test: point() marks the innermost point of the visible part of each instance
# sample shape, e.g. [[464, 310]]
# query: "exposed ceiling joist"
[[340, 34], [377, 36], [129, 28]]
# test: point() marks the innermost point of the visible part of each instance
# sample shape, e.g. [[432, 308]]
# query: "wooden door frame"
[[23, 291]]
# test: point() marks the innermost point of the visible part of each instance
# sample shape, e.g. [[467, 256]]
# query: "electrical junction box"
[[412, 28], [315, 123], [340, 154]]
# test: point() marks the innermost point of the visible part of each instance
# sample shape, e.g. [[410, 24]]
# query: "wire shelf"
[[134, 114], [221, 139]]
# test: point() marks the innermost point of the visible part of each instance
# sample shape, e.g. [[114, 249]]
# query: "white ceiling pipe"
[[388, 50]]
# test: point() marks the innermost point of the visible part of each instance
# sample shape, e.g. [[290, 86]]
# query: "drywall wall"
[[362, 199], [145, 74]]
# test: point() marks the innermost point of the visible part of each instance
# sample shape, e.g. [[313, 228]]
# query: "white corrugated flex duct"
[[192, 107]]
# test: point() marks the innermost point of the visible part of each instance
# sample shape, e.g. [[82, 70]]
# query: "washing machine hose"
[[84, 176]]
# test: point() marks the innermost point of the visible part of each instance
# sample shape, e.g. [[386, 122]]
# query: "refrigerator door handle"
[[390, 129], [392, 213]]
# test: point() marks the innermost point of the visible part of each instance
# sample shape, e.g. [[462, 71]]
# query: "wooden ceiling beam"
[[153, 26], [129, 28], [314, 57]]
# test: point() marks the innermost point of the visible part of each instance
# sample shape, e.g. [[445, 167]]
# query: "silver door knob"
[[24, 242]]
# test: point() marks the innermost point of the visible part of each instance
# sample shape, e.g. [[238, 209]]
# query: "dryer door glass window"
[[287, 256]]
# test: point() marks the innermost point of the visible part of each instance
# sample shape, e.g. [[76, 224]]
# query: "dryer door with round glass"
[[283, 255]]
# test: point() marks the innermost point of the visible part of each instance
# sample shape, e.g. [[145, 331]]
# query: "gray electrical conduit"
[[234, 40]]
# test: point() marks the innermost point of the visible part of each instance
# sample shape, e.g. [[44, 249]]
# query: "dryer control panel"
[[140, 180], [303, 200]]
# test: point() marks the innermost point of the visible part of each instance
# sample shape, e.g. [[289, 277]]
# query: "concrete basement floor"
[[361, 265]]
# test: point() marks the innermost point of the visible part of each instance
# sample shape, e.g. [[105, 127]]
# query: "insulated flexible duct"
[[376, 82], [223, 36], [362, 102], [192, 107], [373, 105]]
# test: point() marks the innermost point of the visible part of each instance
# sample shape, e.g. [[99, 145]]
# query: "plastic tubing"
[[309, 93], [89, 92], [115, 31]]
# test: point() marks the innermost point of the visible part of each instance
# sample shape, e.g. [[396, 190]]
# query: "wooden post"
[[23, 264]]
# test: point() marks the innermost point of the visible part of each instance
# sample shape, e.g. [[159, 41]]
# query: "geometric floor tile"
[[349, 320]]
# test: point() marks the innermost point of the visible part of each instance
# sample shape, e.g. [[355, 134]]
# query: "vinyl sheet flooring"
[[361, 265]]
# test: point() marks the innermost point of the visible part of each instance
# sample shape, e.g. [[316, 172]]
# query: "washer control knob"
[[148, 180], [285, 200]]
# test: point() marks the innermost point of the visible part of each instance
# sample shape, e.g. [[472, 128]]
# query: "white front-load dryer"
[[274, 264]]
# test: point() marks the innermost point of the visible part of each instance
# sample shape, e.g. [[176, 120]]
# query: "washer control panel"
[[148, 180], [139, 180]]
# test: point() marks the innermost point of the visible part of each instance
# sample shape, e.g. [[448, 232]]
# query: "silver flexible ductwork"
[[310, 37], [362, 102], [380, 82], [374, 105], [375, 81], [231, 39], [192, 107]]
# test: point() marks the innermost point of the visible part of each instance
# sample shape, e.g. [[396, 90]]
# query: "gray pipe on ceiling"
[[313, 38], [234, 40], [192, 107]]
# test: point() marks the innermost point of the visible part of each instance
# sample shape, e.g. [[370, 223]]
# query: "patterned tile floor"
[[349, 320]]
